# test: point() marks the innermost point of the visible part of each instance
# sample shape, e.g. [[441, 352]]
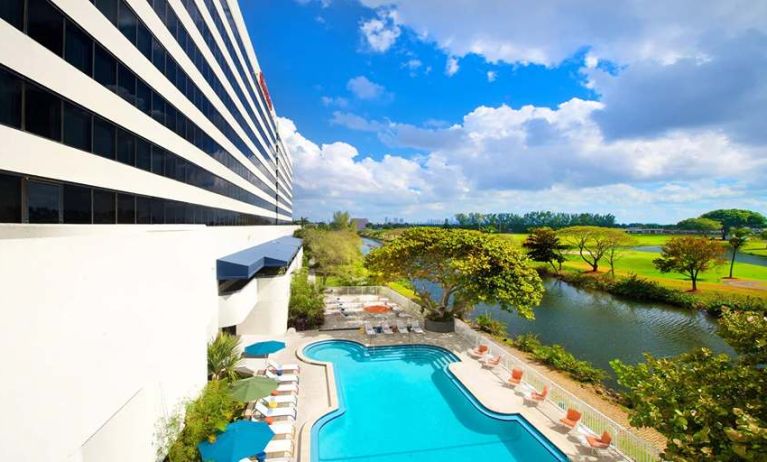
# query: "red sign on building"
[[262, 82]]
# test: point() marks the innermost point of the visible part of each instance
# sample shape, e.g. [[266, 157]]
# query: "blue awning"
[[244, 264]]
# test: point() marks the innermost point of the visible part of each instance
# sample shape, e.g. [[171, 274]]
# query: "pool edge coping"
[[304, 443]]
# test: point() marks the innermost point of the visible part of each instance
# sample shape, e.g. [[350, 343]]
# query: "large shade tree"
[[736, 218], [690, 256], [543, 245], [700, 225], [469, 267], [594, 242]]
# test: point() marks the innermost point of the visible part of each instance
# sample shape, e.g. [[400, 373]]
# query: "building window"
[[143, 97], [10, 99], [127, 22], [45, 25], [103, 207], [10, 199], [143, 155], [126, 147], [144, 41], [13, 12], [158, 160], [126, 209], [143, 210], [77, 204], [108, 8], [78, 49], [77, 127], [105, 68], [126, 83], [43, 202], [42, 113], [103, 138], [158, 211]]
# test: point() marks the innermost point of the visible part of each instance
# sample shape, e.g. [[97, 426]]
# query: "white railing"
[[628, 443]]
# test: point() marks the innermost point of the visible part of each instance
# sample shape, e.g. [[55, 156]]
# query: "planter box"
[[441, 327]]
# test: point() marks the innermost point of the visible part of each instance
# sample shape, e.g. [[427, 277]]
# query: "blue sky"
[[424, 109]]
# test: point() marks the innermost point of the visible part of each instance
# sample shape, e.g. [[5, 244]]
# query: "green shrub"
[[307, 307], [558, 358], [205, 417], [486, 323], [223, 356]]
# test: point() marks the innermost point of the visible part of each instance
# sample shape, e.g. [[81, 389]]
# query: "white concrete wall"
[[103, 330]]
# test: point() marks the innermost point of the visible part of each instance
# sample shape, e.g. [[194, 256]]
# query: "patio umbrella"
[[264, 348], [240, 440], [252, 388]]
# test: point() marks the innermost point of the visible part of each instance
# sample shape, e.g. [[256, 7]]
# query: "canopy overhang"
[[278, 253]]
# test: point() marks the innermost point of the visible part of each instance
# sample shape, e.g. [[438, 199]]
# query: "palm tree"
[[223, 357], [738, 238]]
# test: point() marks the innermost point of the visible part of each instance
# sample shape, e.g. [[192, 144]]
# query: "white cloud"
[[413, 64], [451, 66], [381, 32], [335, 101], [591, 61], [363, 88], [491, 76]]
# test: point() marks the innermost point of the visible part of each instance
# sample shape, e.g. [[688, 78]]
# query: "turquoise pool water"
[[400, 403]]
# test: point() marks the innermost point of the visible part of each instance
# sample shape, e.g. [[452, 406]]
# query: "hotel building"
[[145, 205]]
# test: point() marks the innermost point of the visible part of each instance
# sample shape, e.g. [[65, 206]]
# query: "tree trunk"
[[732, 261], [694, 278]]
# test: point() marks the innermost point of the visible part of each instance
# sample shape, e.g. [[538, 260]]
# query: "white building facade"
[[145, 205]]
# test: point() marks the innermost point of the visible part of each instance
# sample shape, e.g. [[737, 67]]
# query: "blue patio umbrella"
[[264, 348], [240, 440]]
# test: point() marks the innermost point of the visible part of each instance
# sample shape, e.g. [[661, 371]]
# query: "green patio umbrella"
[[252, 388]]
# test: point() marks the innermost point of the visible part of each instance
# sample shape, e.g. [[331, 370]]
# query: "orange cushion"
[[573, 415], [269, 420], [482, 348], [606, 438], [595, 443], [516, 374]]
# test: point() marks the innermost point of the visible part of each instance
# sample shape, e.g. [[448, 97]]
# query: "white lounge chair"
[[281, 378], [369, 330], [275, 411], [281, 400], [416, 328], [279, 447], [386, 329], [283, 429], [288, 388], [289, 367], [402, 328]]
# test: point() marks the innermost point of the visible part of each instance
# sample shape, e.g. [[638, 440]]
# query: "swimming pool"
[[400, 403]]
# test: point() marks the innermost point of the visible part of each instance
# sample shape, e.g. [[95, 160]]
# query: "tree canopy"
[[512, 222], [594, 242], [736, 218], [710, 407], [341, 221], [738, 238], [543, 245], [702, 225], [468, 266], [331, 253], [689, 255]]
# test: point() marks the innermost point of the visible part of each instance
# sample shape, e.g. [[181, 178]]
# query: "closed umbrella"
[[252, 388], [240, 440]]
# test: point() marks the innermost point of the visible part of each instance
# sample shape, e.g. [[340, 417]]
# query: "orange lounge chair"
[[571, 419], [602, 443], [536, 397], [516, 377], [479, 351], [491, 362]]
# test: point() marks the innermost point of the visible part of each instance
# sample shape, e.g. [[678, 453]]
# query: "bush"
[[307, 307], [223, 356], [486, 323], [205, 418], [558, 358]]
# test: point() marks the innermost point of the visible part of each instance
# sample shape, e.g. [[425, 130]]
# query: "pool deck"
[[317, 391]]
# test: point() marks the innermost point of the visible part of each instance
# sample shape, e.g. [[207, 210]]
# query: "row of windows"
[[230, 20], [222, 32], [48, 26], [27, 106], [176, 28], [25, 200]]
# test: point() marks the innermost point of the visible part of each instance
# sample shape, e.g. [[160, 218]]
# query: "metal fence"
[[626, 442]]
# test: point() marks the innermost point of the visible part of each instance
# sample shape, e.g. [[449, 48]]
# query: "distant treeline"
[[512, 222]]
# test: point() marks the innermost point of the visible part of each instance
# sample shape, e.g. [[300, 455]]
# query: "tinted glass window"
[[105, 68], [10, 199], [10, 99], [13, 12], [42, 112], [143, 210], [127, 22], [45, 25], [78, 49], [144, 41], [77, 127], [170, 166], [143, 155], [158, 160], [126, 209], [143, 97], [158, 55], [43, 202], [77, 204], [158, 211], [126, 81], [158, 108], [108, 8], [103, 207], [126, 147], [103, 138]]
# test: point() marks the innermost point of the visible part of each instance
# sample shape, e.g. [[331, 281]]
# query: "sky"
[[419, 110]]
